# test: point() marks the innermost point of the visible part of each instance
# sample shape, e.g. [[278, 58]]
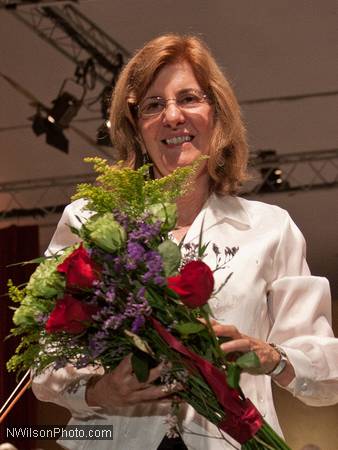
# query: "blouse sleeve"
[[300, 311], [66, 386], [72, 217]]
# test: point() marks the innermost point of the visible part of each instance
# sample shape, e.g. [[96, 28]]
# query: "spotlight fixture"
[[56, 119], [271, 174], [65, 108], [54, 133], [272, 179]]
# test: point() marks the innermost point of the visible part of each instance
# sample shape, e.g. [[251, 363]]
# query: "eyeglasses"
[[185, 100]]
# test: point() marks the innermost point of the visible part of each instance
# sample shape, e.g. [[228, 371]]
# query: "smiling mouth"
[[178, 140]]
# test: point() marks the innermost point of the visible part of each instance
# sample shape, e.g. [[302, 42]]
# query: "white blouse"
[[271, 296]]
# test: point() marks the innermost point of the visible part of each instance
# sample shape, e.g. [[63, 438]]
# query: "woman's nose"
[[172, 115]]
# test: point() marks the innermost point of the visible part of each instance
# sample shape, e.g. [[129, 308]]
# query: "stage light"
[[39, 125], [272, 179], [54, 120], [54, 133], [56, 138], [65, 108]]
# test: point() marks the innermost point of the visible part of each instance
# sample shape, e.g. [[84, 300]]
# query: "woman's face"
[[176, 137]]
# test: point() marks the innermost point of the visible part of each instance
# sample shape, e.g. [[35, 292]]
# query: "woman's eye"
[[188, 99], [153, 106]]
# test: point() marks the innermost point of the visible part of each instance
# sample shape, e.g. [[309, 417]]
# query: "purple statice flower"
[[82, 361], [110, 294], [136, 308], [135, 251], [137, 324], [108, 258], [118, 264], [114, 322], [135, 255], [122, 218], [153, 262], [102, 313], [97, 343], [145, 231], [140, 295], [130, 265], [159, 280]]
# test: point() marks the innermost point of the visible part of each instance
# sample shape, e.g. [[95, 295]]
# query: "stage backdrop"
[[17, 244]]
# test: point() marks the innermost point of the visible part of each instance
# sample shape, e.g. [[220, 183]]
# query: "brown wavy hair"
[[227, 165]]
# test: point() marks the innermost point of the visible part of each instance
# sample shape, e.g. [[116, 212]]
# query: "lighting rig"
[[55, 120], [97, 56]]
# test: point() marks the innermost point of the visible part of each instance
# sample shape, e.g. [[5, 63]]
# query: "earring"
[[145, 158]]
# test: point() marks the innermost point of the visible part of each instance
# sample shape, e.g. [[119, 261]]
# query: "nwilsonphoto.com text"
[[58, 432]]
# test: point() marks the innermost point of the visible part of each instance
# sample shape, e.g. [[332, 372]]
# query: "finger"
[[156, 372], [212, 321], [154, 393], [125, 367], [227, 330], [237, 345]]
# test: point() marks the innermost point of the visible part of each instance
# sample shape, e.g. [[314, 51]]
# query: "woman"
[[171, 105]]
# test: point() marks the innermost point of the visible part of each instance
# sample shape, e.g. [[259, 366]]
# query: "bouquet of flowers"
[[128, 288]]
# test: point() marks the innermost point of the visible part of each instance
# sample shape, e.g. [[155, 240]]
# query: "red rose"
[[70, 315], [80, 270], [194, 284]]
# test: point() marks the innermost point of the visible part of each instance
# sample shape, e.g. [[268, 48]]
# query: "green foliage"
[[141, 363], [233, 375], [131, 191], [25, 353], [189, 327], [15, 293], [105, 232], [171, 257], [248, 361], [46, 281]]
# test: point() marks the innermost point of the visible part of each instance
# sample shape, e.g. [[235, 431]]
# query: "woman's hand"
[[267, 355], [121, 388]]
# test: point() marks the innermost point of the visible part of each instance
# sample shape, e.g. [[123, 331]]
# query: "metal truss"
[[72, 34], [34, 198], [302, 171], [306, 171]]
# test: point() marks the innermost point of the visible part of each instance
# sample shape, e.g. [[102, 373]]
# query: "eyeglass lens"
[[185, 100]]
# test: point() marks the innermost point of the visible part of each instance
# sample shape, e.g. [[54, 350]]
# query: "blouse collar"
[[219, 209]]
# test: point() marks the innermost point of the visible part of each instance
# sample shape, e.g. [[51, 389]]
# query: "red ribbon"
[[242, 419]]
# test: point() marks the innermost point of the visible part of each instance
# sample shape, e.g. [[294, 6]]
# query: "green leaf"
[[141, 367], [172, 294], [189, 327], [209, 354], [31, 261], [248, 361], [233, 375], [171, 257]]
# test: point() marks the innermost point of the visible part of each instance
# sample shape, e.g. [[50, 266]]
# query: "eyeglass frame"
[[204, 98]]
